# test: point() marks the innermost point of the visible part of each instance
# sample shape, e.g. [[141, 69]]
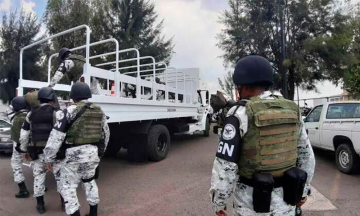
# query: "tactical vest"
[[270, 144], [42, 121], [17, 123], [87, 128]]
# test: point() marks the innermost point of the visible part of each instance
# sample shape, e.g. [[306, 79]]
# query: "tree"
[[227, 85], [18, 30], [352, 75], [314, 36], [131, 22]]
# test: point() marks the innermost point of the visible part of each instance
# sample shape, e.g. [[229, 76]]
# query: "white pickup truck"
[[335, 126]]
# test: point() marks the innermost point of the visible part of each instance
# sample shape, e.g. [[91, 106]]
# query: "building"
[[341, 97]]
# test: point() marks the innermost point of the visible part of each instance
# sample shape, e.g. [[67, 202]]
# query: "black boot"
[[23, 192], [62, 203], [77, 213], [40, 207], [93, 211]]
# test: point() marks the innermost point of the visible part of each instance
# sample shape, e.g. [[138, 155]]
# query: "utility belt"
[[293, 183], [77, 145], [34, 152]]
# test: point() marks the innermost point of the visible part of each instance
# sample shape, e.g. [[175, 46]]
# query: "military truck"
[[163, 100]]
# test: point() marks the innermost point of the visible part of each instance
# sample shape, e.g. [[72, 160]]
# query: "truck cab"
[[335, 126]]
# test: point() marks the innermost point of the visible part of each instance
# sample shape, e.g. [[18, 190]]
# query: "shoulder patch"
[[60, 115], [229, 132], [230, 141]]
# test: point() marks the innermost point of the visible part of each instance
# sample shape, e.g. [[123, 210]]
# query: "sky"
[[193, 25]]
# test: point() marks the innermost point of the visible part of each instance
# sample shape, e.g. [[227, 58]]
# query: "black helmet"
[[46, 93], [63, 53], [230, 103], [80, 90], [253, 70], [19, 103]]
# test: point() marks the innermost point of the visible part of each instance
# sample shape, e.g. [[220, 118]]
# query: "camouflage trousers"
[[71, 176], [243, 203], [16, 165], [39, 172]]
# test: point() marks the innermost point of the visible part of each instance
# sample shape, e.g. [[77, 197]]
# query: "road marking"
[[318, 202]]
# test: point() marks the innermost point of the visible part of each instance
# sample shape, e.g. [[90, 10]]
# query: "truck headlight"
[[5, 139]]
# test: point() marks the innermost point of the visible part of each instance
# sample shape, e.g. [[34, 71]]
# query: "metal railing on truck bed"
[[156, 90]]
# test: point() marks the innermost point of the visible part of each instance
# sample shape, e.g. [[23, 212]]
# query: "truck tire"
[[207, 128], [347, 160], [112, 149], [158, 142]]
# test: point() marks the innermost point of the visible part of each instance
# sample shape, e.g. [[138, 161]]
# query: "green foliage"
[[318, 38], [352, 70], [227, 85], [18, 30], [131, 22]]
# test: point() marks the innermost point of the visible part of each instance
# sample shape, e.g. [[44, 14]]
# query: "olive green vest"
[[270, 144], [16, 126], [87, 128]]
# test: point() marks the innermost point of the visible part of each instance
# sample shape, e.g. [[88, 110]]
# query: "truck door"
[[313, 125]]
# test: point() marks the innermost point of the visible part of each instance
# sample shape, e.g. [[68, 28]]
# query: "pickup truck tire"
[[207, 128], [347, 160], [158, 142]]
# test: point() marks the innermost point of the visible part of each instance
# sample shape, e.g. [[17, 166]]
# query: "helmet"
[[46, 93], [230, 103], [253, 70], [19, 103], [64, 52], [80, 90]]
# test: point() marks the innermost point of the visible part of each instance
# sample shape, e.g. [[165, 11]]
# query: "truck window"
[[343, 111], [315, 114]]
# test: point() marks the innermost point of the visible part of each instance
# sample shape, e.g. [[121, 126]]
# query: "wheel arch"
[[340, 139]]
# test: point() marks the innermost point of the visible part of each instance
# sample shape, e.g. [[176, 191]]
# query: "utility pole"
[[283, 51]]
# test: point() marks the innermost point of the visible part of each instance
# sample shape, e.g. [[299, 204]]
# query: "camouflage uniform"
[[225, 178], [80, 162], [39, 166], [95, 86], [16, 157]]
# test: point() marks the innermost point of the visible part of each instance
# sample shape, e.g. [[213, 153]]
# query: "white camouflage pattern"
[[16, 157], [39, 172], [80, 163], [56, 78], [39, 165], [225, 180], [65, 65], [16, 165], [95, 86]]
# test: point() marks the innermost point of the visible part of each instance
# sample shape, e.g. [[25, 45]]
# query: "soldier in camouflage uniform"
[[34, 134], [65, 66], [262, 144], [17, 112], [83, 130]]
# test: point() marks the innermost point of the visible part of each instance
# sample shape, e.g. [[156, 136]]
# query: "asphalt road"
[[176, 186]]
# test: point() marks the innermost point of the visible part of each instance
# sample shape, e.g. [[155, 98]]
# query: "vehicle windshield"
[[4, 124]]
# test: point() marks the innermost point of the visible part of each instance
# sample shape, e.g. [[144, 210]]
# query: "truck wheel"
[[347, 160], [158, 142], [207, 128], [112, 149]]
